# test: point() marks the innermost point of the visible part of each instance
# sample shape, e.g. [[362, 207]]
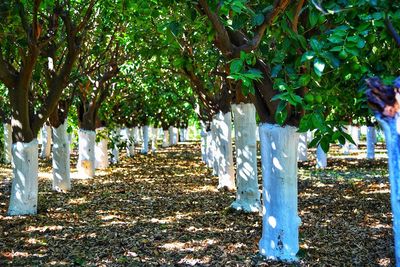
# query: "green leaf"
[[236, 66], [305, 79], [307, 56], [281, 113], [258, 19]]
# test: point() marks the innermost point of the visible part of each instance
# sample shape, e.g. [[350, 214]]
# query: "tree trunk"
[[247, 194], [302, 147], [136, 135], [392, 137], [210, 148], [61, 159], [115, 149], [171, 135], [346, 146], [203, 135], [145, 146], [130, 142], [280, 232], [46, 142], [226, 170], [371, 140], [322, 161], [7, 142], [24, 190], [355, 135], [154, 135], [86, 159], [101, 149], [214, 147], [166, 138]]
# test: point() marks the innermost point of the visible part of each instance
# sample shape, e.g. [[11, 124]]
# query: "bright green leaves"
[[319, 66], [241, 70]]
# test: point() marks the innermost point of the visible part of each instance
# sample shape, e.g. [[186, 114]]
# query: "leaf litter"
[[165, 210]]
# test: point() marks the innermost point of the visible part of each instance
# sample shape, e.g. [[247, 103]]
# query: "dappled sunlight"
[[166, 209]]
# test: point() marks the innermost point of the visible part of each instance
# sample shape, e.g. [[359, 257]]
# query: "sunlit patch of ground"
[[164, 209]]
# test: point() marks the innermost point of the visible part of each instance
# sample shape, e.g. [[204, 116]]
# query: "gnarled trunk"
[[280, 232]]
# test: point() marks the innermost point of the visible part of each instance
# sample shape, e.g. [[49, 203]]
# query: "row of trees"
[[299, 65]]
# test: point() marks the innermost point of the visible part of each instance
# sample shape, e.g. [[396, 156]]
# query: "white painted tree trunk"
[[101, 150], [171, 135], [302, 147], [61, 159], [226, 170], [322, 161], [7, 142], [154, 135], [130, 142], [176, 136], [346, 146], [86, 158], [203, 135], [247, 194], [145, 146], [166, 138], [371, 140], [355, 135], [46, 142], [24, 190], [214, 147], [209, 151], [280, 230], [392, 137], [115, 154], [136, 135]]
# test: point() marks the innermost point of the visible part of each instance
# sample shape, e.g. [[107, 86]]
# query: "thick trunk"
[[183, 134], [371, 140], [101, 149], [24, 190], [247, 194], [145, 146], [226, 170], [61, 159], [130, 142], [165, 138], [302, 147], [154, 135], [46, 142], [86, 159], [322, 161], [280, 230], [7, 142], [392, 137]]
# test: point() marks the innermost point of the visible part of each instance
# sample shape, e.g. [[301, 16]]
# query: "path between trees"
[[165, 210]]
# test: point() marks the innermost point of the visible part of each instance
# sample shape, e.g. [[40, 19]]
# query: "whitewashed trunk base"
[[280, 231], [145, 146], [130, 143], [24, 190], [210, 150], [392, 138], [86, 159], [154, 135], [165, 139], [371, 140], [322, 160], [7, 142], [247, 194], [203, 136], [101, 150], [302, 147], [61, 159], [214, 147], [46, 142], [226, 170]]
